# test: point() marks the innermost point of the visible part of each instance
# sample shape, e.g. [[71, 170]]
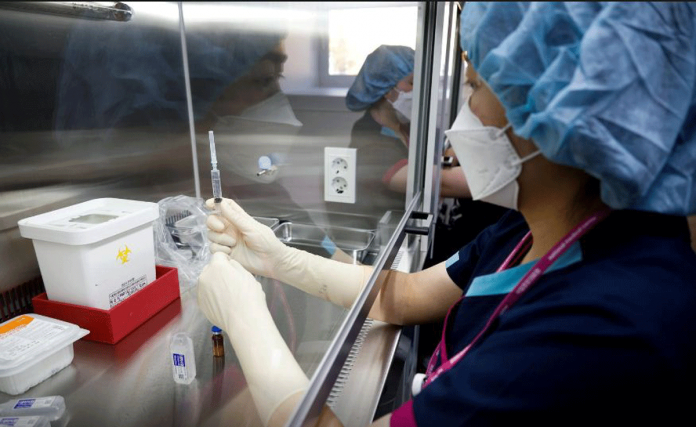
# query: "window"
[[354, 30]]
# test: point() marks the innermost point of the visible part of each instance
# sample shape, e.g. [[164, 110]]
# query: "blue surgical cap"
[[137, 75], [217, 60], [604, 87], [380, 72]]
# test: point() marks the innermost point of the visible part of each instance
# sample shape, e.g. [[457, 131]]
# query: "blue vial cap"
[[265, 162], [216, 329]]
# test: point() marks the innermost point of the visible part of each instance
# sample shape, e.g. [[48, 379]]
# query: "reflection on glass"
[[350, 43], [98, 108]]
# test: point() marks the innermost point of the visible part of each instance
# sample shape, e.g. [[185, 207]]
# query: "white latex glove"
[[255, 246], [231, 298]]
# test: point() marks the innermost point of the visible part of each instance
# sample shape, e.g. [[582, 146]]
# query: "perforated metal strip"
[[343, 376], [347, 368]]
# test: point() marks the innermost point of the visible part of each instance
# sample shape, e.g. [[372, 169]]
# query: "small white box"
[[97, 253], [32, 348]]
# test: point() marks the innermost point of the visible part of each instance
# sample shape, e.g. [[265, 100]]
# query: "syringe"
[[215, 176], [215, 173]]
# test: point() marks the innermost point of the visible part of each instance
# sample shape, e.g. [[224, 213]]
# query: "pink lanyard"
[[524, 284]]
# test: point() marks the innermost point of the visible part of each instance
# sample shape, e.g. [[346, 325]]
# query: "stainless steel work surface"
[[131, 383], [271, 223]]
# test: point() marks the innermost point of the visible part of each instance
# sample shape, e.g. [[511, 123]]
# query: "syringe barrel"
[[217, 186]]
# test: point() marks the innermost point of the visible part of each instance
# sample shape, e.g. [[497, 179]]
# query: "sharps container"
[[97, 253]]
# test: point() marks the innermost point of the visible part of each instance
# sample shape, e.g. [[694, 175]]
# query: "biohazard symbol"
[[123, 255]]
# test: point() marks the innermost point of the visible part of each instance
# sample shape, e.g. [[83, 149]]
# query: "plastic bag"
[[181, 237]]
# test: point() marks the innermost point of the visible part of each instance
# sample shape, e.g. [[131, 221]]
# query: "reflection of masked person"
[[266, 129], [403, 106], [384, 87]]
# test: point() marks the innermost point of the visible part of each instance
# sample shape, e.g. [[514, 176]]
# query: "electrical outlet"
[[339, 174]]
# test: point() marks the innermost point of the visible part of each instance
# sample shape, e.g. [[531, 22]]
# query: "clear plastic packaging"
[[35, 421], [181, 237], [32, 348], [51, 407], [183, 359]]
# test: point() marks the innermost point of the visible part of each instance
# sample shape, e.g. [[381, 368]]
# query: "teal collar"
[[388, 132], [503, 282]]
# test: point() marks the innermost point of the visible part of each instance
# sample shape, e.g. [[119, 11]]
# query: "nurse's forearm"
[[275, 380], [280, 417], [453, 183], [271, 372], [334, 281]]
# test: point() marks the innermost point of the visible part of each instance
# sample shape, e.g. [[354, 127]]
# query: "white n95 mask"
[[275, 109], [268, 129], [489, 161], [403, 105]]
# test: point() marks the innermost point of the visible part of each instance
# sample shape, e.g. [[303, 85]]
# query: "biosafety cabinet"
[[116, 100]]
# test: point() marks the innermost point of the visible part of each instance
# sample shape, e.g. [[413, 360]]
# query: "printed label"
[[128, 288], [25, 403], [44, 402], [24, 334], [180, 366], [19, 422]]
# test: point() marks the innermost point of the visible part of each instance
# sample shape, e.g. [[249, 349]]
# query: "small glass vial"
[[182, 358], [218, 342]]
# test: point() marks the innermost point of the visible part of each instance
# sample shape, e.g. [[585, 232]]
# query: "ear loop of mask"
[[527, 157], [520, 160]]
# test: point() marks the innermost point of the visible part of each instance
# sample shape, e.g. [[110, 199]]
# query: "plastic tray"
[[32, 348], [353, 241]]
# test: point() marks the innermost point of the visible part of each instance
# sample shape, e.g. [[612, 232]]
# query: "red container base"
[[111, 326]]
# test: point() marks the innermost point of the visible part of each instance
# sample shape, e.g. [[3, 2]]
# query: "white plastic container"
[[97, 253], [25, 421], [182, 358], [51, 407], [32, 348]]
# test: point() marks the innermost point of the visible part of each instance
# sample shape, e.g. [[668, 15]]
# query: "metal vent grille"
[[17, 300], [397, 259], [347, 368], [343, 376]]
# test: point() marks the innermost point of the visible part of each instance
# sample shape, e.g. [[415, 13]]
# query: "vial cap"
[[216, 329], [265, 162]]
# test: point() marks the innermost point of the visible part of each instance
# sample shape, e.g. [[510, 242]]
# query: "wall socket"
[[339, 174]]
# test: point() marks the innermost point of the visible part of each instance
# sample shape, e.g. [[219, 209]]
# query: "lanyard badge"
[[511, 298]]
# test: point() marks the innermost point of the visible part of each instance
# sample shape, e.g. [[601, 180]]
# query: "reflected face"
[[404, 85], [260, 83]]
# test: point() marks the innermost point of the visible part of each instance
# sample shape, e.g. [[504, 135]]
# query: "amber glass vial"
[[218, 342]]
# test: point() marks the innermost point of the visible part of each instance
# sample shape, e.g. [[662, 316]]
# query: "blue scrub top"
[[608, 335]]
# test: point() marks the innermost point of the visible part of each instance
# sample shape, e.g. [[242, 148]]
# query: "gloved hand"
[[255, 247], [246, 240], [231, 298]]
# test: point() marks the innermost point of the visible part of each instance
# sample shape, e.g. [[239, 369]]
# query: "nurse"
[[577, 307]]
